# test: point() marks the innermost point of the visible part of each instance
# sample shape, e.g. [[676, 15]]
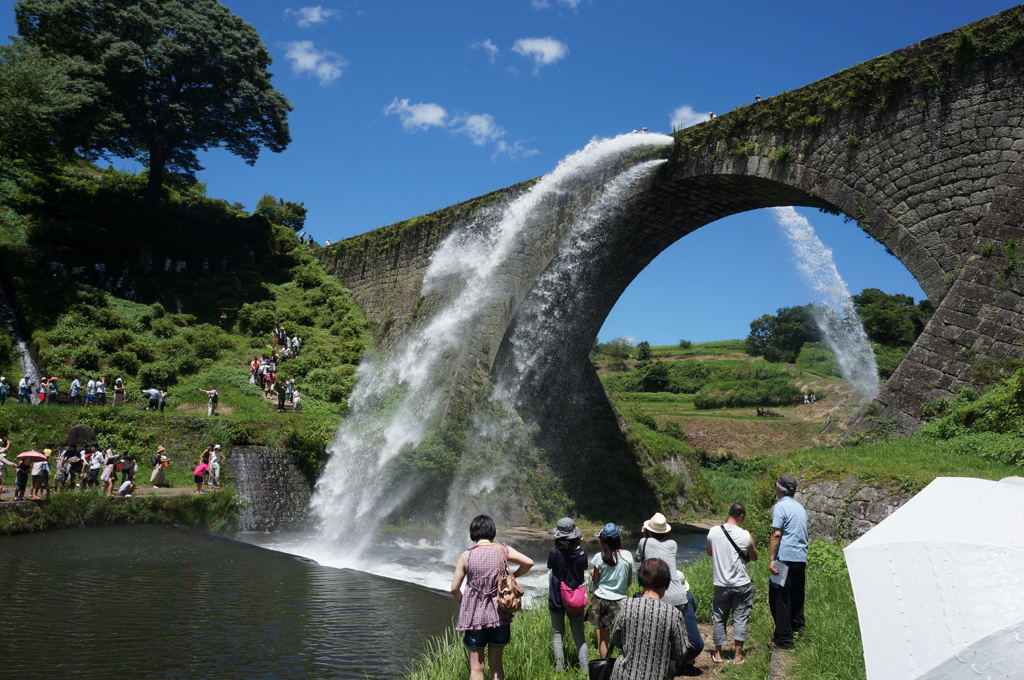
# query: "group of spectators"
[[656, 630], [263, 371], [85, 467], [92, 391]]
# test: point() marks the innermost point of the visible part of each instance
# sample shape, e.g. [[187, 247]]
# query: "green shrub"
[[86, 358], [817, 359], [308, 276], [257, 319], [1000, 410], [738, 393], [159, 373], [126, 361]]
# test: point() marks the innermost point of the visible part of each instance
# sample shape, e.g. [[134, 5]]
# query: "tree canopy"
[[892, 320], [282, 212], [41, 102], [169, 78], [778, 337]]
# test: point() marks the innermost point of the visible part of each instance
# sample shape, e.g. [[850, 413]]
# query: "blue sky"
[[407, 106]]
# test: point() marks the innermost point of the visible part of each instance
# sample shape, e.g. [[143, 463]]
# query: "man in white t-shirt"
[[731, 547]]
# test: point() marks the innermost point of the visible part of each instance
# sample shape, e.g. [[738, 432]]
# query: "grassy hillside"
[[126, 324]]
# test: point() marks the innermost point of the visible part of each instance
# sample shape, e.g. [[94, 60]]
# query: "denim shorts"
[[495, 637]]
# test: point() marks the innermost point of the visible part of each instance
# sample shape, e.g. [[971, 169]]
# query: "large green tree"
[[171, 77], [892, 320], [779, 337], [42, 98], [279, 211]]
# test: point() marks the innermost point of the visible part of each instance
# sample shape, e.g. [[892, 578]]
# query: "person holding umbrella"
[[25, 461]]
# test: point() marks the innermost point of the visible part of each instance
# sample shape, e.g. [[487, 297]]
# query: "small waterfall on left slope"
[[399, 394], [25, 360], [833, 307]]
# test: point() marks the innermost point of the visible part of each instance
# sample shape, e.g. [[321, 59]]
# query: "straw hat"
[[658, 524], [160, 449]]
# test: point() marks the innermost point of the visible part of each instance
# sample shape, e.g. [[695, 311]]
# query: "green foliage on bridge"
[[873, 85]]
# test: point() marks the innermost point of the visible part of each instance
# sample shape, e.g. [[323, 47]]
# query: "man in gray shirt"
[[731, 547]]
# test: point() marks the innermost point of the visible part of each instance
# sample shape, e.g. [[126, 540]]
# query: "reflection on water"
[[157, 602]]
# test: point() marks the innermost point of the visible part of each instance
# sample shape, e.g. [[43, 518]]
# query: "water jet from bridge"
[[833, 307], [400, 395]]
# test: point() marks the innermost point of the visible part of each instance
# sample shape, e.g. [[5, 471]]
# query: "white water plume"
[[397, 395], [833, 309], [557, 296]]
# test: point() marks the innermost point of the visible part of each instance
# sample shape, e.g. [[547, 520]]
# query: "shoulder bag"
[[510, 594], [743, 557]]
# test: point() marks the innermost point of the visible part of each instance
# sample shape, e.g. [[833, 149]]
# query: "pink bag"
[[573, 599]]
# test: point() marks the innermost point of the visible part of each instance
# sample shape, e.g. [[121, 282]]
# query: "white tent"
[[939, 584]]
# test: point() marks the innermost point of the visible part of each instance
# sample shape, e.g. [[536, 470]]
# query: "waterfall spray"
[[398, 394], [833, 309], [556, 295]]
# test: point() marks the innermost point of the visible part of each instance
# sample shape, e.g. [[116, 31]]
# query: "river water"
[[159, 602]]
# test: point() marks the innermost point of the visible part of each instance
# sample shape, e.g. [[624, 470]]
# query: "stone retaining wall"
[[846, 509]]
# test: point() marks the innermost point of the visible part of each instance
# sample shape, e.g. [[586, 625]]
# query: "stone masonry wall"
[[922, 148], [845, 509]]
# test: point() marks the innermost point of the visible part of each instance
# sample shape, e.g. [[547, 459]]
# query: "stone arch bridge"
[[922, 148]]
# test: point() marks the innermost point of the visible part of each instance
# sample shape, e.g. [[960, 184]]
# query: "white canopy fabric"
[[939, 584]]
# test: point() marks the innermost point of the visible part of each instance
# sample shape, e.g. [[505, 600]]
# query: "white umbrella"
[[939, 584]]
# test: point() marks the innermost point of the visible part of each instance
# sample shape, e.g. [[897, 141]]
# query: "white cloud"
[[515, 150], [306, 59], [487, 46], [307, 16], [418, 116], [543, 51], [544, 4], [479, 127], [685, 116]]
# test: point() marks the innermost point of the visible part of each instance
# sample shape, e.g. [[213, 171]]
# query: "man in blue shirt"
[[787, 554]]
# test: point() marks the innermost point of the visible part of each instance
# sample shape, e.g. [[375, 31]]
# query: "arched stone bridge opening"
[[922, 148]]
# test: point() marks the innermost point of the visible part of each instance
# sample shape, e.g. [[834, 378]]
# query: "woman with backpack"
[[567, 590], [611, 575]]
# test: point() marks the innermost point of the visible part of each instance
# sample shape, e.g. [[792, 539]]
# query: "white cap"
[[216, 446]]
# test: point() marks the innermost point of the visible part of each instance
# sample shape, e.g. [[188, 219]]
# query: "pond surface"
[[158, 602]]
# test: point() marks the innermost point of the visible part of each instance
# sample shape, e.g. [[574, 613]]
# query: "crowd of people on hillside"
[[90, 391], [656, 629], [263, 371], [70, 467]]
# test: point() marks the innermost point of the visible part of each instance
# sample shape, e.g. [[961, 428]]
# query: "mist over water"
[[399, 393], [833, 307]]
